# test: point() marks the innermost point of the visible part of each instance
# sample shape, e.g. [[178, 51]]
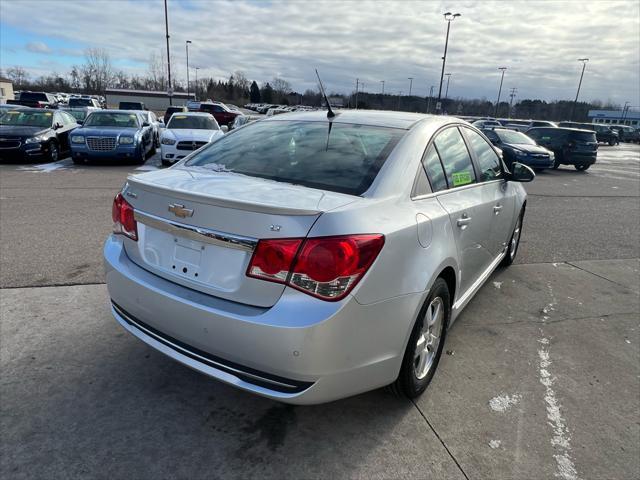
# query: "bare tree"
[[97, 72], [18, 76], [281, 88]]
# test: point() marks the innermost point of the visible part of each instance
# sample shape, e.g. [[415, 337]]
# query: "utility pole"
[[187, 47], [382, 82], [512, 94], [584, 64], [166, 26], [410, 84], [499, 91], [430, 97], [196, 69], [446, 95], [449, 17], [357, 82], [399, 97]]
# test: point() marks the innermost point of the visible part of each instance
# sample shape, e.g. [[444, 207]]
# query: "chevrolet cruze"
[[310, 257]]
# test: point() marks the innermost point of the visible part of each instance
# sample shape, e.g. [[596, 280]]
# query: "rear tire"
[[426, 343], [514, 242]]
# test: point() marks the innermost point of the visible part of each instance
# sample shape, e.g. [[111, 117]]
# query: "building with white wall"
[[157, 101], [615, 117]]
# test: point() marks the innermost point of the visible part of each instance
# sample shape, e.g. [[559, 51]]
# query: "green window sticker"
[[461, 178]]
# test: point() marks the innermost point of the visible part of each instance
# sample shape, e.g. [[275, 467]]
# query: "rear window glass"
[[342, 158], [34, 97], [583, 136], [80, 102], [195, 122]]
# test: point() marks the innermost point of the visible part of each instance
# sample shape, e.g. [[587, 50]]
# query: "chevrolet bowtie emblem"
[[179, 210]]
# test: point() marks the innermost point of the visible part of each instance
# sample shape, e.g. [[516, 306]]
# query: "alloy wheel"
[[429, 339]]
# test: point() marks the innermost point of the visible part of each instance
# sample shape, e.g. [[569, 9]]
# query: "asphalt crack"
[[455, 460]]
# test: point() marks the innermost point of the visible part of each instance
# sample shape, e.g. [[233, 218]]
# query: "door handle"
[[497, 209], [464, 221]]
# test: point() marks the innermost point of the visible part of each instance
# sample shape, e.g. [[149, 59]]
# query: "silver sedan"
[[308, 258]]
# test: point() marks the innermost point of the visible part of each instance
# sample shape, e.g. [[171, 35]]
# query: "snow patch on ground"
[[498, 285], [561, 440], [502, 403], [495, 443], [47, 167], [147, 168]]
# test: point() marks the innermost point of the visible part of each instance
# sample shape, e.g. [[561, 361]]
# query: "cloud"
[[539, 42], [38, 47]]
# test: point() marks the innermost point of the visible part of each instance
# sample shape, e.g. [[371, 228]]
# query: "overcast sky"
[[539, 42]]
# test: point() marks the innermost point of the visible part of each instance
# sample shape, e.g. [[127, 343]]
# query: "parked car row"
[[55, 100], [264, 108]]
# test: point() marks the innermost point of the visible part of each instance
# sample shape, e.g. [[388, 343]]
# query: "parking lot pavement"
[[540, 379], [80, 397]]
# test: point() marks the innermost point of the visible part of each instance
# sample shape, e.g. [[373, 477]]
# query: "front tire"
[[53, 152], [582, 167], [425, 344]]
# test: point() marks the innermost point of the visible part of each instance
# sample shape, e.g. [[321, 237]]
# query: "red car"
[[223, 114]]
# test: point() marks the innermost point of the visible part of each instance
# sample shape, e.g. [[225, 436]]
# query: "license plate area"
[[193, 261]]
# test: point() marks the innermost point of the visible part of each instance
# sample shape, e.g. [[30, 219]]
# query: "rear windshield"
[[34, 97], [80, 102], [583, 136], [130, 106], [344, 158]]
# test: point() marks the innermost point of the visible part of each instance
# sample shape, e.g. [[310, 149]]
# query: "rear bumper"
[[576, 158], [302, 350]]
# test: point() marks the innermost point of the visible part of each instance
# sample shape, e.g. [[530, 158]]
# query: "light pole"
[[512, 94], [357, 82], [446, 94], [430, 97], [382, 82], [399, 97], [499, 91], [449, 17], [196, 69], [187, 47], [166, 26], [410, 84], [584, 64]]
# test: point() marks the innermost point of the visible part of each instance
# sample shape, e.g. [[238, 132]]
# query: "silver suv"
[[307, 258]]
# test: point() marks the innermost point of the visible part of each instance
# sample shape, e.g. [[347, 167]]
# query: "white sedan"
[[185, 133]]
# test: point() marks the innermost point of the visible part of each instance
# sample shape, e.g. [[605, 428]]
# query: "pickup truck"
[[35, 100], [132, 106], [223, 114]]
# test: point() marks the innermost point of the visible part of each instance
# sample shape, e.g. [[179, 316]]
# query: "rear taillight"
[[325, 267], [124, 222]]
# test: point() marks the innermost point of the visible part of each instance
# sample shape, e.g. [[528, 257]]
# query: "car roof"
[[379, 118], [561, 129]]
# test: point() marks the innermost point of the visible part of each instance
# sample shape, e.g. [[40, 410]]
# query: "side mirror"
[[521, 173], [224, 129], [79, 122], [145, 124], [57, 126]]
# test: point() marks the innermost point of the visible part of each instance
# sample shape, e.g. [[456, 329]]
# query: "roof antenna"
[[330, 113]]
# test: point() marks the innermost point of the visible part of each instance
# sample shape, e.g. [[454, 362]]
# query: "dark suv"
[[570, 146], [604, 134]]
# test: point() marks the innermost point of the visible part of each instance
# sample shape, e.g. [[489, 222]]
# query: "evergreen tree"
[[254, 93]]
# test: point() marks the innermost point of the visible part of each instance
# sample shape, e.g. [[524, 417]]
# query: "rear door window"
[[433, 167], [339, 157], [455, 158], [487, 159]]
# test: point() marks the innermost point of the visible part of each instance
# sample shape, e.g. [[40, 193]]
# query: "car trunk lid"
[[198, 228]]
